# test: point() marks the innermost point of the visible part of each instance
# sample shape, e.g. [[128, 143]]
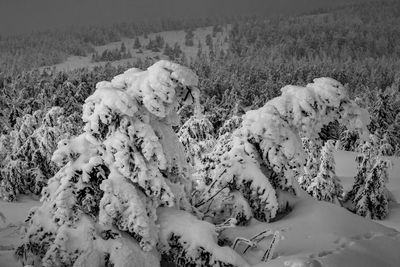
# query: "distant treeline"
[[358, 44], [28, 51]]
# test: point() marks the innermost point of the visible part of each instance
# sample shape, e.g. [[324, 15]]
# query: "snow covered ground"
[[321, 234], [314, 233], [12, 225]]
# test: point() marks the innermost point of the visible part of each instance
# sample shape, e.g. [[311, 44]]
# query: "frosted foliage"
[[220, 146], [126, 164], [326, 185], [30, 146], [230, 125], [132, 212], [312, 148], [240, 169], [269, 140], [369, 196], [196, 136], [371, 200], [277, 126], [211, 160]]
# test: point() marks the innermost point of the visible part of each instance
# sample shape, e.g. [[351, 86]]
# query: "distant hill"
[[26, 16]]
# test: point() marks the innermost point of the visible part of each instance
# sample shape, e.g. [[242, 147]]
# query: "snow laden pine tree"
[[313, 152], [371, 200], [12, 174], [369, 196], [28, 165], [124, 182], [196, 135], [214, 208], [326, 185], [266, 156]]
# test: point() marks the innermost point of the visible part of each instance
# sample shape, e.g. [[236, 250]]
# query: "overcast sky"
[[18, 16]]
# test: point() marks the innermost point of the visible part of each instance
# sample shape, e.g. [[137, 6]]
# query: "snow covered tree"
[[230, 125], [105, 205], [189, 37], [369, 197], [196, 135], [28, 163], [209, 162], [326, 185], [393, 136], [313, 152], [349, 140], [371, 200], [363, 159], [137, 44], [385, 148], [266, 155]]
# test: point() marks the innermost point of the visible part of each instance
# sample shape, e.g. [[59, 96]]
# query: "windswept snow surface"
[[314, 234], [322, 234]]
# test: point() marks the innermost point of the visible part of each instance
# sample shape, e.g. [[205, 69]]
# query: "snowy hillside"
[[171, 38]]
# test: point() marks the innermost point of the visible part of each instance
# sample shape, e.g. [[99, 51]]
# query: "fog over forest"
[[21, 16]]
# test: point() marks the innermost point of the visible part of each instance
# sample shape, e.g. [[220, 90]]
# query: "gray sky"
[[18, 16]]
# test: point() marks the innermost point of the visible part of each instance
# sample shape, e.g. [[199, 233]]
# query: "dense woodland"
[[347, 44]]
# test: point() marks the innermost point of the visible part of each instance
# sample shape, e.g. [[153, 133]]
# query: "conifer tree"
[[385, 148], [28, 163], [196, 135], [371, 200], [137, 44], [311, 167], [369, 196], [326, 185], [124, 182], [265, 154], [364, 165], [189, 37], [122, 49]]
